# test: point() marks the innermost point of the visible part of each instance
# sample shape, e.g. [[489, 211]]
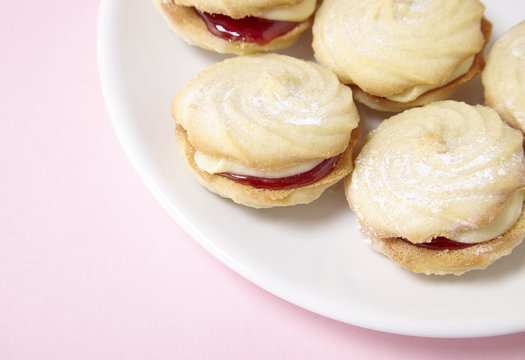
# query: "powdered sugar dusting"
[[383, 45], [436, 170], [518, 48], [267, 111]]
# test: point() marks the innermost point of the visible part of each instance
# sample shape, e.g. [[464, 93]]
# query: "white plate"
[[311, 255]]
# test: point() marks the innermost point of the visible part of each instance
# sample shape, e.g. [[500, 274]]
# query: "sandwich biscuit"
[[440, 188], [266, 130]]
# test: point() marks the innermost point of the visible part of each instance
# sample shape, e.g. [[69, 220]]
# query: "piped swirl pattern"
[[434, 171], [388, 46], [266, 111], [504, 77]]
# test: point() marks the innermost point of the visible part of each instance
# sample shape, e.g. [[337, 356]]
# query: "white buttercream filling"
[[416, 91], [215, 165], [297, 12], [508, 216]]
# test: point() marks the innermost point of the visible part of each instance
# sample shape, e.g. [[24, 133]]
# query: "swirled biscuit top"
[[436, 171], [238, 8], [388, 46], [266, 111], [504, 76]]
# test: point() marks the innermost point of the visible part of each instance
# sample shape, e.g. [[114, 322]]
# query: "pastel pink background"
[[91, 267]]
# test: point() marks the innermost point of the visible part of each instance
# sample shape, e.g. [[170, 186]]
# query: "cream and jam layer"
[[268, 26], [215, 165], [248, 30], [290, 177], [506, 219], [508, 216], [414, 92]]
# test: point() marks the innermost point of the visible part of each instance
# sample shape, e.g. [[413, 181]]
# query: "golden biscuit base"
[[191, 28], [441, 93], [264, 198], [457, 262]]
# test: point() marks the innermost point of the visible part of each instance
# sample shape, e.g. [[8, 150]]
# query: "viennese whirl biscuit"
[[504, 77], [266, 130], [400, 54], [238, 26], [440, 188]]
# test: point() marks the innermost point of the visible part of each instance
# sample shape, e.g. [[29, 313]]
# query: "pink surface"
[[91, 267]]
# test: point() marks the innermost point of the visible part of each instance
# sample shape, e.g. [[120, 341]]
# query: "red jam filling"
[[289, 182], [441, 243], [248, 29]]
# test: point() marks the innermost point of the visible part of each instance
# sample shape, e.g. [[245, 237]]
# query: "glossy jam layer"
[[442, 243], [289, 182], [248, 29]]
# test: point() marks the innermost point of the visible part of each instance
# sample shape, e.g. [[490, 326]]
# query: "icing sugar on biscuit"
[[392, 48], [275, 113], [504, 77], [435, 171]]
